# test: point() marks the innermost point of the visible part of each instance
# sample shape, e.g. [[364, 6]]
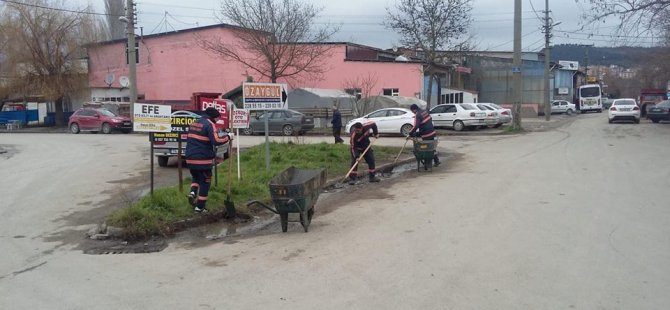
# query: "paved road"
[[572, 218]]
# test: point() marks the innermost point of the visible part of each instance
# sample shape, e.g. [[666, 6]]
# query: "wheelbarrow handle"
[[262, 205]]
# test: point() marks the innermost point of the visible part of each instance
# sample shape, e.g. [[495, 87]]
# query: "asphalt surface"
[[574, 216]]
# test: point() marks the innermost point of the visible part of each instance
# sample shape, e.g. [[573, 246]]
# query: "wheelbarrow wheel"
[[283, 217]]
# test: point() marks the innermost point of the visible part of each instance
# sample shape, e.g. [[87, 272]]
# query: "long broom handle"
[[401, 149], [359, 159]]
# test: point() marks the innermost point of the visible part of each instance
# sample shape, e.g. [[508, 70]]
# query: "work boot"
[[372, 178], [191, 199], [200, 210], [352, 180]]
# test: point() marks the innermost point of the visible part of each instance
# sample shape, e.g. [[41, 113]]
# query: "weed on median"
[[154, 215]]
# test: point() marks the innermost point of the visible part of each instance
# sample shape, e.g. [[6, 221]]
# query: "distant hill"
[[625, 56]]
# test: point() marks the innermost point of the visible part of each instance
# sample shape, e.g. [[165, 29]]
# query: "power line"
[[58, 9]]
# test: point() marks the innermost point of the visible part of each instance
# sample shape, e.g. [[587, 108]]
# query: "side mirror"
[[97, 116], [257, 117]]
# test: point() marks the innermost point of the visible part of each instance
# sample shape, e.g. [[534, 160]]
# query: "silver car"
[[285, 122]]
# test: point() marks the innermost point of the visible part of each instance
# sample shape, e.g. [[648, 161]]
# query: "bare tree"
[[432, 26], [635, 17], [648, 20], [114, 9], [276, 38], [46, 57], [365, 84]]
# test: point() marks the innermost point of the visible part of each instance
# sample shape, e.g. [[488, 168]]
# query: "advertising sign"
[[223, 106], [569, 65], [152, 118], [180, 120], [240, 118], [264, 96]]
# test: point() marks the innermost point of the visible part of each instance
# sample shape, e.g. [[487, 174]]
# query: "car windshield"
[[485, 107], [469, 107], [664, 104], [590, 91], [106, 113], [625, 102]]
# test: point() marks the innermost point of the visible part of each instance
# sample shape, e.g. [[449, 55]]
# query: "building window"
[[391, 92], [354, 92], [452, 98]]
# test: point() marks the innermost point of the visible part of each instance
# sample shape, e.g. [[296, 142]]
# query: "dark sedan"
[[285, 122], [659, 112]]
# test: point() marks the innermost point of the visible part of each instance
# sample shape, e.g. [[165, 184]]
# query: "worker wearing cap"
[[360, 140], [201, 143], [423, 127]]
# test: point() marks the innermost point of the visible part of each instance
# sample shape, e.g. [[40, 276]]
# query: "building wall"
[[170, 67], [495, 83], [173, 66]]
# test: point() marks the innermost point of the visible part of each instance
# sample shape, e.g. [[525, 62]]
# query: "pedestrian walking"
[[337, 124], [201, 143], [360, 140], [423, 127]]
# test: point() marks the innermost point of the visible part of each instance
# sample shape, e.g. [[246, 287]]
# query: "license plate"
[[126, 124], [654, 110], [625, 109], [174, 151]]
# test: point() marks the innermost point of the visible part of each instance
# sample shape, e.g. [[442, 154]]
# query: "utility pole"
[[516, 67], [547, 57], [132, 68]]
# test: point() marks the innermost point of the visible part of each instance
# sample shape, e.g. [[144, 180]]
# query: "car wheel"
[[405, 129], [497, 125], [106, 128], [458, 125], [568, 112], [600, 111], [163, 160], [126, 130], [611, 121], [247, 131], [287, 130], [74, 128], [655, 121], [637, 121]]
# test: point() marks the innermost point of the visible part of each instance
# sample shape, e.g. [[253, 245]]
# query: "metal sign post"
[[264, 96], [240, 120], [152, 118]]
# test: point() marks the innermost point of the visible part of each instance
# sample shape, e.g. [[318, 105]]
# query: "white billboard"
[[569, 64]]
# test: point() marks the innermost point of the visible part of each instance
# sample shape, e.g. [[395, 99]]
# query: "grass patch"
[[153, 215]]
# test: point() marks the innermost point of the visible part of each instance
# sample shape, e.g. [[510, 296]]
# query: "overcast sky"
[[361, 21]]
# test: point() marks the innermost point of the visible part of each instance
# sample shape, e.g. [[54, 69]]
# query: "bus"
[[590, 98]]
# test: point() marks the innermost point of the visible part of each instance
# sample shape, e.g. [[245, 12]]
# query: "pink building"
[[172, 66]]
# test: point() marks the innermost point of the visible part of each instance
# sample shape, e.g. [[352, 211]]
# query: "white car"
[[624, 109], [389, 120], [492, 116], [504, 114], [562, 106], [458, 116]]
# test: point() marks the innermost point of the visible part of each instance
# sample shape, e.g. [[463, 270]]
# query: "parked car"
[[389, 120], [492, 116], [98, 120], [286, 122], [562, 106], [659, 112], [505, 114], [458, 116], [624, 109]]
